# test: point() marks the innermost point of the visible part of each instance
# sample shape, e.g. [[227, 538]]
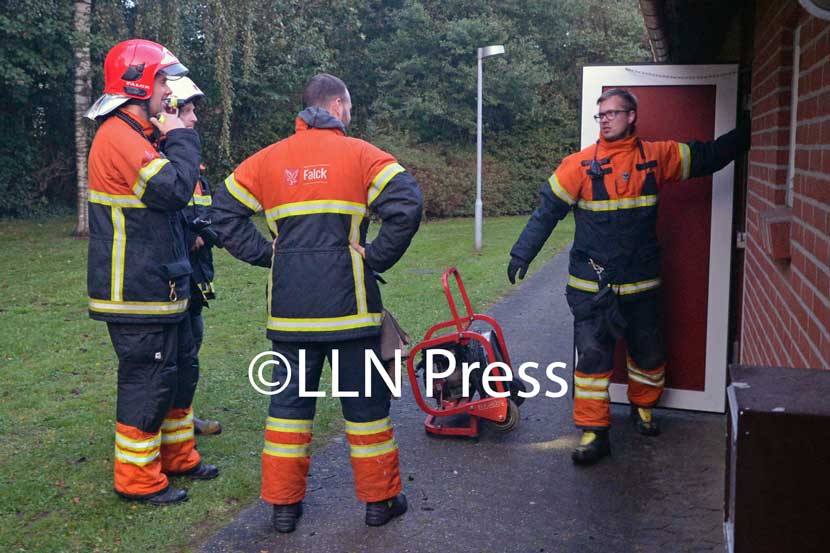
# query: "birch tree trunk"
[[83, 92]]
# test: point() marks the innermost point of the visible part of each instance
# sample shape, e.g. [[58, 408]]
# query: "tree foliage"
[[410, 66]]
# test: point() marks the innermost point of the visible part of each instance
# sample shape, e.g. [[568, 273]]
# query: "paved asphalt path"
[[519, 493]]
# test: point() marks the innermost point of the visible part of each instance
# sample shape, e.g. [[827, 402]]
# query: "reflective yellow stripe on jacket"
[[621, 289], [137, 307], [381, 180], [146, 173], [315, 207], [324, 324], [559, 190], [200, 199], [241, 194], [117, 200], [119, 249], [685, 160], [620, 203]]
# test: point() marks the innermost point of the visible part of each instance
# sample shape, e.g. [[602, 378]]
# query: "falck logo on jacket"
[[292, 176]]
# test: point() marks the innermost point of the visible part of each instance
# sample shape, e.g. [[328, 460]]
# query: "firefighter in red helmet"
[[138, 272]]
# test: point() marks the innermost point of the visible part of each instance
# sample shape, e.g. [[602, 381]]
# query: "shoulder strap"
[[136, 127]]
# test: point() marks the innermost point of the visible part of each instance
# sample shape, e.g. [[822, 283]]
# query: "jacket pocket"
[[137, 343], [177, 274], [177, 269]]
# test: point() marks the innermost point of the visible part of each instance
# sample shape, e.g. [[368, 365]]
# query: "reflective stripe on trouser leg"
[[374, 456], [137, 461], [285, 460], [592, 405], [645, 387], [178, 442]]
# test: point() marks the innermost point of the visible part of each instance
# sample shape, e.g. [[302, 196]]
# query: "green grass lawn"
[[57, 411]]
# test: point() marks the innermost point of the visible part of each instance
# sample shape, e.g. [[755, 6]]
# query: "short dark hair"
[[321, 89], [629, 99]]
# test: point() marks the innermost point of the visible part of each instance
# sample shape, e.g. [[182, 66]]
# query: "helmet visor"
[[175, 71]]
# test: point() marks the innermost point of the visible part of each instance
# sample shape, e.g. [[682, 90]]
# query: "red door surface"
[[694, 224], [681, 113]]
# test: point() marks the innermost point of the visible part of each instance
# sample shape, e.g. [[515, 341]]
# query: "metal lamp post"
[[484, 52]]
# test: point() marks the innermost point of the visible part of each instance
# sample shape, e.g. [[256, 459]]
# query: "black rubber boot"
[[206, 427], [594, 446], [379, 513], [643, 419], [201, 471], [167, 496], [284, 519]]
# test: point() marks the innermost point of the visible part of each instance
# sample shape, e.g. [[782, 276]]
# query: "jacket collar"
[[621, 145], [147, 129], [318, 118], [145, 125]]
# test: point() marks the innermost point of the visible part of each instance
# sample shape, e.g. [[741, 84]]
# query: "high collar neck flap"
[[318, 118], [626, 143]]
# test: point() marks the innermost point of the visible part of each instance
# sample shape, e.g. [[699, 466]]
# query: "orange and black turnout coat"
[[201, 259], [138, 270], [317, 189], [613, 189]]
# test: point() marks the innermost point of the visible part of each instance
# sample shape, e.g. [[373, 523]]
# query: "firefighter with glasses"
[[138, 277], [613, 288]]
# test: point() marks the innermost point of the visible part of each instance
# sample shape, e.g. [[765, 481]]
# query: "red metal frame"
[[487, 408]]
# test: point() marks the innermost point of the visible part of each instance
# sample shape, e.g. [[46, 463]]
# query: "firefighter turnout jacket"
[[316, 189], [613, 188], [201, 259], [138, 268]]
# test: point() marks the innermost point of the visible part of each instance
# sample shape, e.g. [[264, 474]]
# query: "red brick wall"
[[786, 305]]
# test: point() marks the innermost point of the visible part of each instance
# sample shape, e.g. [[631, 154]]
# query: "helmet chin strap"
[[145, 106]]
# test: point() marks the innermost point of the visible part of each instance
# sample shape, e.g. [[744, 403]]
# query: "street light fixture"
[[484, 52]]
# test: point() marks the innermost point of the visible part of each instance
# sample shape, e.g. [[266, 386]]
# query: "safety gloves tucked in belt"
[[516, 265]]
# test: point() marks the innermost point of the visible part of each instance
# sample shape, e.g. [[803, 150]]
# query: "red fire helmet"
[[130, 70]]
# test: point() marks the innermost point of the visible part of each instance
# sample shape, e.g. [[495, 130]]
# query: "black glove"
[[516, 265], [202, 227]]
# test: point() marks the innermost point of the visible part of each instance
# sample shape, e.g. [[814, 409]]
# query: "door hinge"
[[740, 240]]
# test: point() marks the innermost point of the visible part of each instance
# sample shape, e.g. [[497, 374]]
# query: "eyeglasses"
[[610, 115]]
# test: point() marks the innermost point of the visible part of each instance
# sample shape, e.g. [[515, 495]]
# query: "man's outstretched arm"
[[555, 202]]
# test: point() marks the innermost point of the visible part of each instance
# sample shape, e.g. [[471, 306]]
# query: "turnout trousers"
[[645, 358], [157, 377], [286, 457]]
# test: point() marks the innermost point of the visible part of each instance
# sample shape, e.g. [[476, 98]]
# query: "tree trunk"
[[83, 93]]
